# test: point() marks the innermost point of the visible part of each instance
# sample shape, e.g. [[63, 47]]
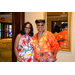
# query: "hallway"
[[9, 28], [6, 50]]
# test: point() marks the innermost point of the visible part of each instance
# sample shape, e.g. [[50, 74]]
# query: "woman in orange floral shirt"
[[45, 44], [62, 36]]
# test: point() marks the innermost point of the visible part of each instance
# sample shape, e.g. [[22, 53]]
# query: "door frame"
[[17, 23]]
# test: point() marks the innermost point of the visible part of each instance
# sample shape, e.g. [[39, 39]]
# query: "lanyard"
[[37, 36], [27, 41]]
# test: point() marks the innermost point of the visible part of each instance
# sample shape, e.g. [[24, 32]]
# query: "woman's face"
[[40, 27], [66, 28], [27, 29]]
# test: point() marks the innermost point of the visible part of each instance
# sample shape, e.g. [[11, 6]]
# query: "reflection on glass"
[[7, 34], [62, 36], [7, 28], [10, 30], [0, 30], [0, 35], [0, 26], [60, 17], [56, 26]]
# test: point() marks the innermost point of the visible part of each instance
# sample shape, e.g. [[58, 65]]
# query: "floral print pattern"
[[48, 44], [63, 35], [26, 54]]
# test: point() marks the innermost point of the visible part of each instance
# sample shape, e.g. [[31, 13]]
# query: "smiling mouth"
[[40, 28], [27, 31]]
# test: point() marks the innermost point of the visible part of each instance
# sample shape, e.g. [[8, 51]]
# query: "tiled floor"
[[6, 50]]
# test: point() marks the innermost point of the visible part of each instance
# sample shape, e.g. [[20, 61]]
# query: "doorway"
[[8, 32], [5, 30], [6, 37]]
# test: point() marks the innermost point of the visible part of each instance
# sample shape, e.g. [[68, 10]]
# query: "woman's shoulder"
[[60, 33], [19, 36], [48, 33], [34, 35]]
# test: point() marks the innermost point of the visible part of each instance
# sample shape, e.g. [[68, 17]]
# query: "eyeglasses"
[[27, 27], [40, 25]]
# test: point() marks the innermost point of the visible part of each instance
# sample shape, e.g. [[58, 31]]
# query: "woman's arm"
[[61, 40], [54, 44], [16, 46]]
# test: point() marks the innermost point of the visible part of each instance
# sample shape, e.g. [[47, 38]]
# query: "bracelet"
[[20, 60]]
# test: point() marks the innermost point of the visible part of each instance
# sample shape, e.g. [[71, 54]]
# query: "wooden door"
[[17, 23]]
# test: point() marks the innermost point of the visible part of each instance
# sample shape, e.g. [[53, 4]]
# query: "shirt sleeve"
[[59, 36], [33, 41], [53, 43]]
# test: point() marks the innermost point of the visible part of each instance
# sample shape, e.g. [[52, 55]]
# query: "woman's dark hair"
[[31, 29], [56, 29], [40, 21], [63, 25]]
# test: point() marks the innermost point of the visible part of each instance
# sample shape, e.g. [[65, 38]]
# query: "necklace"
[[27, 41], [38, 48]]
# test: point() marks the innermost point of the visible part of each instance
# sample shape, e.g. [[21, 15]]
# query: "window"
[[9, 30], [0, 30], [5, 30]]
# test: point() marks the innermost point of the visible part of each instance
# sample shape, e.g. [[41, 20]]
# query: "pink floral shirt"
[[25, 53]]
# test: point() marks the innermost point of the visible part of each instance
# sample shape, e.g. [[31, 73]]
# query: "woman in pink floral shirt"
[[23, 49]]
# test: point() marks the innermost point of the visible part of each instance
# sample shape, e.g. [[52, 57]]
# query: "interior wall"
[[32, 16], [62, 56], [8, 18]]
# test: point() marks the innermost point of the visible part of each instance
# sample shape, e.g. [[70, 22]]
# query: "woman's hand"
[[55, 53], [62, 39], [16, 43], [19, 59]]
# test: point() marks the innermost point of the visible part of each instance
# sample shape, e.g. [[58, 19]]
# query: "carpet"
[[6, 50]]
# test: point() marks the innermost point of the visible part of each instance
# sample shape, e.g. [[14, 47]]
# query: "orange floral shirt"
[[63, 35], [47, 44]]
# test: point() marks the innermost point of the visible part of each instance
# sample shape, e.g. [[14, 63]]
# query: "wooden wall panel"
[[56, 13], [17, 23]]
